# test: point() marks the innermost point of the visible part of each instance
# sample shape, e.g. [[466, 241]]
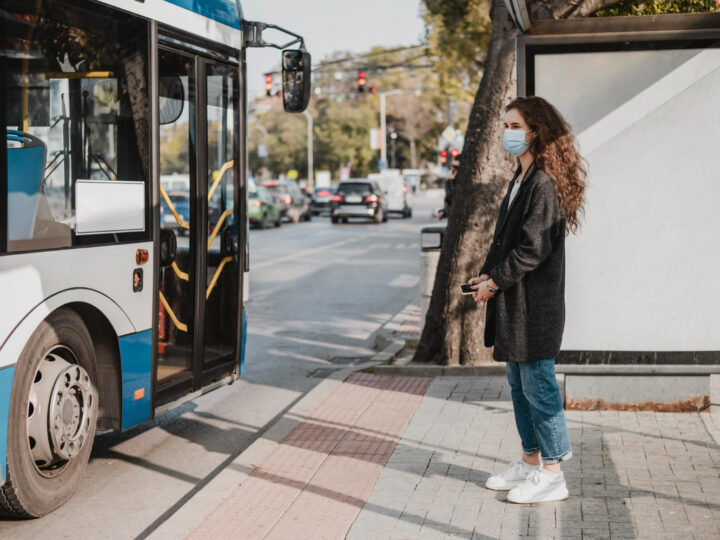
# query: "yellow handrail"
[[179, 273], [184, 224], [79, 75], [217, 275], [226, 166], [225, 214], [179, 325]]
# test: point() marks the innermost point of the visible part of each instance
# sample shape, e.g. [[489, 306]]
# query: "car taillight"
[[337, 198], [286, 199], [404, 188], [323, 193], [270, 184], [257, 203], [371, 198]]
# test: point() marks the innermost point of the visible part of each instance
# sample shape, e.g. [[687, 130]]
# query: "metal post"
[[309, 146], [383, 149], [383, 135]]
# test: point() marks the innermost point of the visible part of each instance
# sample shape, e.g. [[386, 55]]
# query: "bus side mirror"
[[296, 80]]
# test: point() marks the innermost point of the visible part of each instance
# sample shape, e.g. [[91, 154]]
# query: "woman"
[[523, 283]]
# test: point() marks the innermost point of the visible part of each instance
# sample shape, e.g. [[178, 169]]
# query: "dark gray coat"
[[526, 318]]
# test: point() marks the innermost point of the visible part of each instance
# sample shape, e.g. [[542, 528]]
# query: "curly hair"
[[555, 150]]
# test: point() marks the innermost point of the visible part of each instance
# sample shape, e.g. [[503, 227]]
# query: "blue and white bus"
[[123, 225]]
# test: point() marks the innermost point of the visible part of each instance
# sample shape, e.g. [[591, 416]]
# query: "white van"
[[395, 192]]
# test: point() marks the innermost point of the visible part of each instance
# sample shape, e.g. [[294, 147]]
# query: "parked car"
[[395, 190], [295, 204], [358, 197], [321, 200], [181, 201], [263, 207]]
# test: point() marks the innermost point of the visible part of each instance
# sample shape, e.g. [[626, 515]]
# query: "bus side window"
[[77, 108]]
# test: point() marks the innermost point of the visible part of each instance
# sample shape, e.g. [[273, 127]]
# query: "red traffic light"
[[454, 152], [268, 85], [361, 81], [373, 90]]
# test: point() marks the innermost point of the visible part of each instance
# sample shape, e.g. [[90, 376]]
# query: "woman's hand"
[[480, 284]]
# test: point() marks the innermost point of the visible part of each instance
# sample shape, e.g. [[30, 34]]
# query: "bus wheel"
[[53, 414]]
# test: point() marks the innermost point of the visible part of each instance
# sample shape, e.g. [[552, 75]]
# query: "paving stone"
[[634, 474]]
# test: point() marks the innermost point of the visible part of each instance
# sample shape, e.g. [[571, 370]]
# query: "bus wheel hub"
[[59, 412]]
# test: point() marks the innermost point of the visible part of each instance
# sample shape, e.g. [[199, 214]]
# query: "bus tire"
[[43, 471]]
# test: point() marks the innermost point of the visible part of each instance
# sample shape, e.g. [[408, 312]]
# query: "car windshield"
[[354, 188]]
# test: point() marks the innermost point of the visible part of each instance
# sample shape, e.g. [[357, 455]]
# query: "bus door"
[[199, 290]]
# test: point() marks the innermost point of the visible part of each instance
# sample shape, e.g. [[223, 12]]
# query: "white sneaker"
[[511, 477], [540, 486]]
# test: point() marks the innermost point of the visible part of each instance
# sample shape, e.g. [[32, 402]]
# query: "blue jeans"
[[538, 406]]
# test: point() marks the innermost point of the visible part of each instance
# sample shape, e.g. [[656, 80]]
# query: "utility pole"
[[309, 117], [383, 134]]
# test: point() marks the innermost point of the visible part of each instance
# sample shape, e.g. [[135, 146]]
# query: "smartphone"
[[467, 289]]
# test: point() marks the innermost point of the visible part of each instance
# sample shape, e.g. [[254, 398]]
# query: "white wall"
[[642, 275]]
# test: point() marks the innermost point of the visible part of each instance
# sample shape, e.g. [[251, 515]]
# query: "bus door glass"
[[176, 318], [222, 279]]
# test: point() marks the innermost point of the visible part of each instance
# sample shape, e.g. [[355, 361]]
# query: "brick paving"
[[315, 483], [634, 474], [398, 457]]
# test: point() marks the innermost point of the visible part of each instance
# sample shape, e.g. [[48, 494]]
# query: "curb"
[[191, 514]]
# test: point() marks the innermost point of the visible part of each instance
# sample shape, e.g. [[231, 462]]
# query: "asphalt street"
[[318, 293]]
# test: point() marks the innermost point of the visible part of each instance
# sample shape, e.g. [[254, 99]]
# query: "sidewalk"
[[407, 457]]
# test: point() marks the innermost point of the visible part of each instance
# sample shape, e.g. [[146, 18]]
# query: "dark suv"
[[358, 197], [295, 204]]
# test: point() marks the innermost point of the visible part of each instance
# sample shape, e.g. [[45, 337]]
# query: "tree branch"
[[587, 7]]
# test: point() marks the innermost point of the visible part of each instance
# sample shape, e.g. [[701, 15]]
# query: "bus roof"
[[217, 20]]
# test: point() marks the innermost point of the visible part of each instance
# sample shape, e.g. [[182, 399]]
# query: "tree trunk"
[[413, 153], [453, 332]]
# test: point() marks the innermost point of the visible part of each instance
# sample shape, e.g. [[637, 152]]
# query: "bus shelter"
[[642, 96]]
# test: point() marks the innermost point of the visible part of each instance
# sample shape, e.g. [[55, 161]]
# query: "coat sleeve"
[[484, 268], [543, 221]]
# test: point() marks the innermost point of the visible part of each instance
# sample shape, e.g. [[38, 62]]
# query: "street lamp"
[[309, 146], [383, 148]]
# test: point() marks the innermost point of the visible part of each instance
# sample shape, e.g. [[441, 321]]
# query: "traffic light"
[[454, 153], [361, 81], [373, 90], [443, 156], [268, 85]]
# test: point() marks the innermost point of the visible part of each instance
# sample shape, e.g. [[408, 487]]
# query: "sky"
[[331, 25]]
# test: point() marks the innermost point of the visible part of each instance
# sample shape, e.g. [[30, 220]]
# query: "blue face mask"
[[514, 141]]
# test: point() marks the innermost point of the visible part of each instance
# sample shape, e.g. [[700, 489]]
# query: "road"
[[318, 293]]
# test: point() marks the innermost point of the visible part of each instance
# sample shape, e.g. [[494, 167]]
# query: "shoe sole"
[[558, 494], [506, 487]]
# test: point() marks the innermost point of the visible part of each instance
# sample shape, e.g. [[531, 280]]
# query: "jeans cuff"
[[531, 451], [550, 461]]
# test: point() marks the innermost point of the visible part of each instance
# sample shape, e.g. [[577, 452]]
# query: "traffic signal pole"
[[310, 164], [383, 134]]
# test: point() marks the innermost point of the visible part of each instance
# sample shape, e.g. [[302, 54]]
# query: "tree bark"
[[453, 332]]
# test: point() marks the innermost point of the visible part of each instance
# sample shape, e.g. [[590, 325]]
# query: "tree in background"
[[341, 137], [457, 34], [453, 332], [286, 143]]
